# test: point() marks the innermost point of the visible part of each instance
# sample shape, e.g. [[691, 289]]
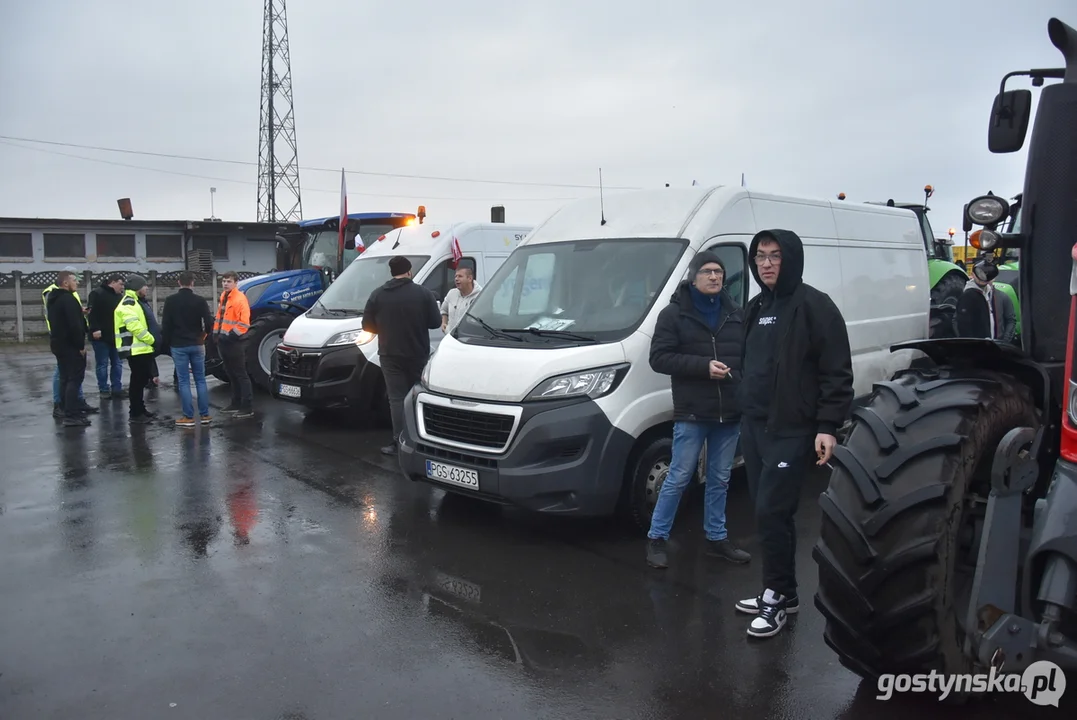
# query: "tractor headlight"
[[987, 210], [591, 383], [988, 239], [350, 337]]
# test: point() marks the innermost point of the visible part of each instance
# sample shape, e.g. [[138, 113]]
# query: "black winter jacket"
[[186, 320], [402, 314], [67, 324], [683, 347], [813, 370], [102, 303]]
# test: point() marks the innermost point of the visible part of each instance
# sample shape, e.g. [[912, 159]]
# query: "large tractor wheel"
[[944, 297], [897, 550], [262, 340]]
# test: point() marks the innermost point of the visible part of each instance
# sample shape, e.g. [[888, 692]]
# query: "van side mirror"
[[1009, 121]]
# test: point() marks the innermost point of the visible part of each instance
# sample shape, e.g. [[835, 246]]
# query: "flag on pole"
[[457, 253], [343, 211]]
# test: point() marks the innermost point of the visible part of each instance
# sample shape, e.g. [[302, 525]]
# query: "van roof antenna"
[[601, 200]]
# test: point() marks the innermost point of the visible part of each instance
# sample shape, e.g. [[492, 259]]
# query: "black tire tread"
[[890, 516]]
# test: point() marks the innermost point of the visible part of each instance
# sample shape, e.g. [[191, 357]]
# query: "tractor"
[[277, 298], [949, 525]]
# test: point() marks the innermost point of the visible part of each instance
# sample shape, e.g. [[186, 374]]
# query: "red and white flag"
[[343, 210], [457, 253]]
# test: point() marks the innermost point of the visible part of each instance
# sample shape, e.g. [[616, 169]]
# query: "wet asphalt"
[[282, 568]]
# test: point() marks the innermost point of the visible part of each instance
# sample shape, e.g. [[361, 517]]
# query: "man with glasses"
[[796, 392], [697, 342]]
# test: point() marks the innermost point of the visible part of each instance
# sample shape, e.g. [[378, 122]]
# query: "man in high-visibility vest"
[[137, 334], [56, 411], [230, 328]]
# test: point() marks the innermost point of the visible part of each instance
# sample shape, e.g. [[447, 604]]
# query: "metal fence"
[[22, 314]]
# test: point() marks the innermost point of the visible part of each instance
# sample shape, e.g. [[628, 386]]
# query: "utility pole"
[[278, 158]]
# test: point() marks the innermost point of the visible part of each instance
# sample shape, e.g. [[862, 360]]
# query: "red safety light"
[[381, 238], [435, 233]]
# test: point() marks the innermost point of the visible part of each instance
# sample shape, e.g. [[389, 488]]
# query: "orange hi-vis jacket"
[[233, 315]]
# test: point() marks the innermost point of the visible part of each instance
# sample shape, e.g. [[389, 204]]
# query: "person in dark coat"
[[697, 342], [67, 340], [983, 311], [796, 393], [402, 314], [101, 320]]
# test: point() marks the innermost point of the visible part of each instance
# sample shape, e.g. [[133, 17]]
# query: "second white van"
[[327, 360], [543, 397]]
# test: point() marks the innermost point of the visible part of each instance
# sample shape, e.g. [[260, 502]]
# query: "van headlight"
[[591, 383], [350, 337]]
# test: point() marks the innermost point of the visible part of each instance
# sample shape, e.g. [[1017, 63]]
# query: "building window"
[[65, 246], [115, 246], [217, 243], [17, 246], [164, 247]]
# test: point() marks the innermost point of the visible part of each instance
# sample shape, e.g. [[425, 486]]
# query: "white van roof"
[[421, 240], [666, 213]]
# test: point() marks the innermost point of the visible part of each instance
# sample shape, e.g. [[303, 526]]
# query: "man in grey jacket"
[[983, 311]]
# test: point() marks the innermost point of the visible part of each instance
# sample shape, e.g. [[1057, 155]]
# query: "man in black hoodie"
[[797, 391], [697, 341], [67, 340], [401, 314], [102, 321]]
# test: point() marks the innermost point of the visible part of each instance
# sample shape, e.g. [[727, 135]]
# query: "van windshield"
[[349, 292], [571, 293]]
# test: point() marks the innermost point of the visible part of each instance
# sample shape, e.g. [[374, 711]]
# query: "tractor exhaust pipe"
[[1064, 38]]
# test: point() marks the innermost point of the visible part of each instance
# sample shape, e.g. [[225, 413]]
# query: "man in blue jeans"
[[102, 321], [185, 323], [697, 342]]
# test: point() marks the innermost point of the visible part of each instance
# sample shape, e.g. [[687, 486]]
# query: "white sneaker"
[[772, 616], [750, 606]]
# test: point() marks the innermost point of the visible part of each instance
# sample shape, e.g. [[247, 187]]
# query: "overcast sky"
[[868, 98]]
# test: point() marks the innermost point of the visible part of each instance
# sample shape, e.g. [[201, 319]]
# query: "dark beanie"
[[399, 265], [135, 282], [702, 259]]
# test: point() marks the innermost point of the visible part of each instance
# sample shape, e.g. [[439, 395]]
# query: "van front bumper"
[[332, 377], [559, 457]]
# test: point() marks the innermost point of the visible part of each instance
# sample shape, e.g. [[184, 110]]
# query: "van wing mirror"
[[1009, 121]]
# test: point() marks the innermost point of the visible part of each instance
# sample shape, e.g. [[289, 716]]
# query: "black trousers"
[[141, 367], [72, 366], [400, 374], [233, 353], [776, 468]]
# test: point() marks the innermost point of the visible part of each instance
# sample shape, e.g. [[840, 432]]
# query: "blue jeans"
[[107, 358], [688, 438], [56, 390], [188, 359]]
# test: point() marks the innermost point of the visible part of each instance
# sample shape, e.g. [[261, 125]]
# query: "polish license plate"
[[452, 474], [292, 391]]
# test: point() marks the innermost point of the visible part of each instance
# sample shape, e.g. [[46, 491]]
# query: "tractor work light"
[[987, 210]]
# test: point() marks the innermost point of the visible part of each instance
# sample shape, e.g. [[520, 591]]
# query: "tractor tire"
[[896, 549], [262, 340], [944, 297], [214, 363]]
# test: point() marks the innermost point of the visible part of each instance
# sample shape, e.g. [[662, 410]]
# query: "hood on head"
[[397, 282], [55, 295], [791, 271]]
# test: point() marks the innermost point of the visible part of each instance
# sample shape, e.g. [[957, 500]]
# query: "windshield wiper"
[[332, 311], [492, 330], [550, 333]]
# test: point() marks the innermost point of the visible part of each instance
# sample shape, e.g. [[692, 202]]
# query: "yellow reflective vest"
[[132, 333], [45, 302]]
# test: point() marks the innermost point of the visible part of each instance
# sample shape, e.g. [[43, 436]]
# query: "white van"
[[327, 360], [543, 397]]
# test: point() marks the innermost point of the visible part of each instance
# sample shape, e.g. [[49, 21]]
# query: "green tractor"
[[948, 545], [947, 278]]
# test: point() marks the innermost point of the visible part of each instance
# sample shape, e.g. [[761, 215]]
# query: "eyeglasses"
[[774, 259], [712, 273]]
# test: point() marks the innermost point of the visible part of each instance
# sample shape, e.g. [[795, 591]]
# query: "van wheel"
[[646, 476]]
